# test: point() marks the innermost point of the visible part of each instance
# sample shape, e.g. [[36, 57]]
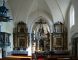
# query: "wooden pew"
[[18, 58], [64, 59]]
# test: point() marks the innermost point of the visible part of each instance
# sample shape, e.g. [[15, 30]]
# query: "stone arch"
[[34, 18]]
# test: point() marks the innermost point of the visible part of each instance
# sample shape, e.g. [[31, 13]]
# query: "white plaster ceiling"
[[21, 9], [29, 10]]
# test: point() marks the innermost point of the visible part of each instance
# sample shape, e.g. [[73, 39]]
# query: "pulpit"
[[4, 42]]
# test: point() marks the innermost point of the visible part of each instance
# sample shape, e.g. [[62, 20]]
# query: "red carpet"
[[40, 58]]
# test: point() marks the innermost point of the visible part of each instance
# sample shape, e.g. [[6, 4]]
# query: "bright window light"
[[72, 16]]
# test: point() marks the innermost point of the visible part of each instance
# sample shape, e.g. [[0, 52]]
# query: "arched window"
[[72, 16]]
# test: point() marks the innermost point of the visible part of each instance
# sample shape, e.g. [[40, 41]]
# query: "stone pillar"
[[50, 41], [38, 45], [29, 49]]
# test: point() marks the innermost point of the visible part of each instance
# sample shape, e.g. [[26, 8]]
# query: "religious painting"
[[21, 42], [57, 42]]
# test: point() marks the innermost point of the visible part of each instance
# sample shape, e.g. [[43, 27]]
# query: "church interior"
[[38, 29]]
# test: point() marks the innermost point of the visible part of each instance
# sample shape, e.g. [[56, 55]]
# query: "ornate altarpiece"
[[20, 36], [59, 38]]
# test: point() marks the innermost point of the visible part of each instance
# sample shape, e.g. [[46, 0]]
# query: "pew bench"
[[17, 58]]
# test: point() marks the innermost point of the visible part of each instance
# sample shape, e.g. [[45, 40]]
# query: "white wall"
[[70, 23], [0, 53], [8, 27], [72, 28]]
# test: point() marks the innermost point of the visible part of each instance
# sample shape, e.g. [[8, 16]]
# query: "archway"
[[41, 35]]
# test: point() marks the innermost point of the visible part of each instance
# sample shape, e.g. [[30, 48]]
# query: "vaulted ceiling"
[[30, 10], [53, 9]]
